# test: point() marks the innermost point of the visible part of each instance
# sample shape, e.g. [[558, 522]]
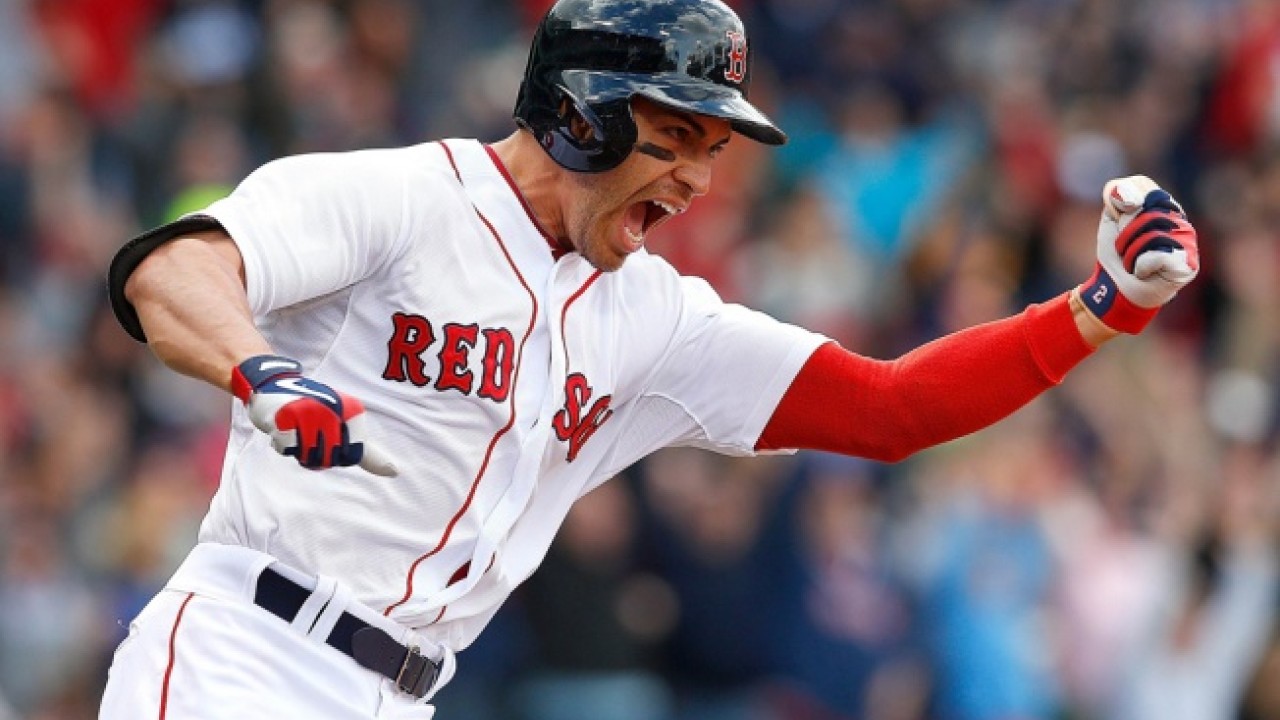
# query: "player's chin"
[[605, 261], [609, 252]]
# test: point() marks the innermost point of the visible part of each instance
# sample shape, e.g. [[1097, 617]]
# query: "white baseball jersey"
[[505, 382]]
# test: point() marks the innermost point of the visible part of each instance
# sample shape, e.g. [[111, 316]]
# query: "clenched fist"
[[308, 420], [1147, 251]]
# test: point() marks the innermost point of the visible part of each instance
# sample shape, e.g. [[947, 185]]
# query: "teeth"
[[637, 239], [670, 209]]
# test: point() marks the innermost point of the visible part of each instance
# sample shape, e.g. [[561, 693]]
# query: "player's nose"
[[694, 174]]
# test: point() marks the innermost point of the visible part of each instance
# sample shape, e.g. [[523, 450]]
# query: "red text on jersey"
[[570, 423], [413, 343]]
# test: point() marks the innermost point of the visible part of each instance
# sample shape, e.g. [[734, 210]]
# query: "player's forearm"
[[843, 402], [190, 298]]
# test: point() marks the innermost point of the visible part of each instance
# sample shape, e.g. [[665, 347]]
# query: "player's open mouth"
[[644, 216]]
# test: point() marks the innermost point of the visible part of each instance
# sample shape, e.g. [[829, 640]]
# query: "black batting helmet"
[[689, 55]]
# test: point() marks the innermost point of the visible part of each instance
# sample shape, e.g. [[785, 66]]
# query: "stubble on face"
[[601, 198]]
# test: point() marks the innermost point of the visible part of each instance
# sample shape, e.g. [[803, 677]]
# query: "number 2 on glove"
[[1147, 251], [310, 421]]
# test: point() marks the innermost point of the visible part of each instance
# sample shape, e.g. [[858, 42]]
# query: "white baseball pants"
[[202, 650]]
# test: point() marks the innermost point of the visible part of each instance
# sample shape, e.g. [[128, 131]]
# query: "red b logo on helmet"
[[736, 71]]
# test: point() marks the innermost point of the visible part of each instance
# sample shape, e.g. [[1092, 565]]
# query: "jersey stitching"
[[337, 333], [484, 466], [168, 670], [688, 413], [609, 466]]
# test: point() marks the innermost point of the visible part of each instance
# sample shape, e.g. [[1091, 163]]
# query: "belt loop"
[[338, 603], [315, 603], [448, 665]]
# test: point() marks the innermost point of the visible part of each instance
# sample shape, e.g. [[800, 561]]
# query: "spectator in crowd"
[[976, 133]]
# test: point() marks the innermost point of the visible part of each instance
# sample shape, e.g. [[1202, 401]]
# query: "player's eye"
[[679, 133], [717, 148]]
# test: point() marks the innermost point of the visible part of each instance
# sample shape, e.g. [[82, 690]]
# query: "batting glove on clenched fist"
[[1146, 253], [310, 421]]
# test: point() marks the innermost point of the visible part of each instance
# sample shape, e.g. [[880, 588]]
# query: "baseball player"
[[468, 337]]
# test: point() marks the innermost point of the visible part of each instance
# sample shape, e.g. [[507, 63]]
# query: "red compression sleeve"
[[885, 410]]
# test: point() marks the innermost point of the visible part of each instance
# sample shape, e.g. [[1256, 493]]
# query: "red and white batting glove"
[[1147, 252], [309, 421]]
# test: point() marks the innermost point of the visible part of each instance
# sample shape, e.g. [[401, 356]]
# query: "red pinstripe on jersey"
[[173, 647], [565, 313], [449, 154], [511, 420]]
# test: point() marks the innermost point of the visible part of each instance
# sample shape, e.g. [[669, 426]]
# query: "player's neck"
[[536, 176]]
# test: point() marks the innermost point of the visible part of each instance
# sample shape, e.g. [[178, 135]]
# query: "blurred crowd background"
[[1108, 553]]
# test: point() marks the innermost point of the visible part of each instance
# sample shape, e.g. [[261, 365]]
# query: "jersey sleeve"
[[310, 225], [727, 368]]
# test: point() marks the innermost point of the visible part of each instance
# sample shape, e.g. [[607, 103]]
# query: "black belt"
[[371, 647]]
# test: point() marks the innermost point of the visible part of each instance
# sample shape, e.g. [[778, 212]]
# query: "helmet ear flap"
[[589, 138], [578, 124]]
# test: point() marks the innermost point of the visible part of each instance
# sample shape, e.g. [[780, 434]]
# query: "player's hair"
[[589, 58]]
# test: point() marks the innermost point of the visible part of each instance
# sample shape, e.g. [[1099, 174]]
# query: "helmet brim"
[[679, 91]]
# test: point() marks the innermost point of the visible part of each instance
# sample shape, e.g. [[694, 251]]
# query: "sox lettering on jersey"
[[413, 336], [570, 423]]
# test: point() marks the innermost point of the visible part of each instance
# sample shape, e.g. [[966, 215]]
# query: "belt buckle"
[[414, 677]]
